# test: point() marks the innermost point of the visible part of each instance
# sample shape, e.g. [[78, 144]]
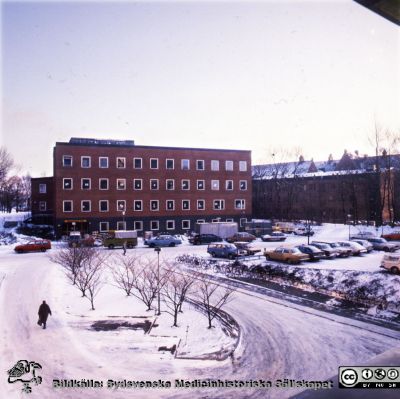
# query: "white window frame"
[[138, 202], [173, 184], [185, 164], [157, 222], [188, 208], [72, 206], [204, 184], [242, 221], [90, 161], [121, 223], [101, 229], [188, 184], [138, 225], [242, 166], [173, 164], [108, 183], [90, 205], [200, 220], [121, 208], [42, 188], [229, 220], [103, 167], [141, 184], [242, 202], [245, 185], [202, 163], [173, 224], [90, 183], [108, 205], [123, 187], [123, 159], [215, 185], [70, 157], [42, 206], [134, 163], [158, 205], [186, 224], [227, 183], [222, 204], [72, 183], [173, 205], [229, 166], [153, 159], [204, 204], [215, 165], [157, 183]]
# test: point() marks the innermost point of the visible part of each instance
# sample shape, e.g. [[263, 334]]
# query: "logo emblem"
[[25, 372], [348, 377], [367, 374], [392, 374], [380, 374]]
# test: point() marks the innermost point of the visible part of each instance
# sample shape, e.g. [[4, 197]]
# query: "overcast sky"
[[242, 75]]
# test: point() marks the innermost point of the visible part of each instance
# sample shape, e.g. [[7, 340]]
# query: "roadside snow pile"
[[359, 286], [7, 238]]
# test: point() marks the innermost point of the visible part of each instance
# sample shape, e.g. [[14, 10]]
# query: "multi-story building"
[[352, 188], [101, 185]]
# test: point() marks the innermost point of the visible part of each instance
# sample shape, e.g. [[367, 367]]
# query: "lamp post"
[[123, 219], [158, 250], [348, 222]]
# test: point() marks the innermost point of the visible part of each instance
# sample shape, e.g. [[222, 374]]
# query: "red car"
[[33, 245], [394, 236]]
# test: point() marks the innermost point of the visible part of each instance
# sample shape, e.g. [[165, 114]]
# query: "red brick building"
[[103, 185]]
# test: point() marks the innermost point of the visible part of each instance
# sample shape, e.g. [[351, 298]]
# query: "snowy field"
[[277, 339]]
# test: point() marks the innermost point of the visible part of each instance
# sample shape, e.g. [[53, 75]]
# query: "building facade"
[[101, 185], [337, 191]]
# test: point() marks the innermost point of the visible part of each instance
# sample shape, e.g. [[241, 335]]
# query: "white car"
[[356, 248], [391, 262]]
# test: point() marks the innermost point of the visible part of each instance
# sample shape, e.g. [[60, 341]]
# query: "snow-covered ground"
[[278, 340]]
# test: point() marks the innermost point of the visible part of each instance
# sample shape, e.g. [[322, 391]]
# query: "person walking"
[[124, 245], [44, 312]]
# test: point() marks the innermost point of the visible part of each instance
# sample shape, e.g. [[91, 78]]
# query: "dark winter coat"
[[44, 311]]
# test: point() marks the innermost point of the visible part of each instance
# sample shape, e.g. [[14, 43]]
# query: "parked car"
[[198, 239], [163, 240], [363, 235], [314, 253], [356, 248], [303, 231], [366, 244], [381, 244], [246, 248], [286, 254], [274, 236], [393, 236], [223, 250], [330, 253], [241, 236], [75, 239], [33, 245], [343, 252], [391, 262]]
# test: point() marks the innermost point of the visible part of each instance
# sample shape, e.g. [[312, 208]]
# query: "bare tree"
[[123, 271], [71, 260], [89, 275], [212, 296], [6, 164], [174, 293]]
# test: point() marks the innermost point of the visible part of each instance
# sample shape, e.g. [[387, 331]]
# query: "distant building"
[[101, 185], [351, 188]]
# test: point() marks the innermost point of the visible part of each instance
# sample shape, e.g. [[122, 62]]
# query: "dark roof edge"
[[148, 146]]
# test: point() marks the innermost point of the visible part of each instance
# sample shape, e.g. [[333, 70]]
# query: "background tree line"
[[15, 190]]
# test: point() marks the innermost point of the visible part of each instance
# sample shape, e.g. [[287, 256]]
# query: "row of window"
[[86, 205], [155, 224], [154, 163], [86, 184]]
